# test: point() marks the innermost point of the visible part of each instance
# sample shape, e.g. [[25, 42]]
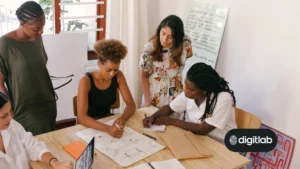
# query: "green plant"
[[47, 6]]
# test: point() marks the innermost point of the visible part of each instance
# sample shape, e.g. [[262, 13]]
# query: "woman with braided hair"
[[207, 101], [23, 68]]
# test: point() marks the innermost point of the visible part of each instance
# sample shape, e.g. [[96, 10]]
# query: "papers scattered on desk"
[[158, 128], [172, 164], [130, 148]]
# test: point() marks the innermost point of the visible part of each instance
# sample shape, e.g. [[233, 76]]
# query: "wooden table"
[[222, 157]]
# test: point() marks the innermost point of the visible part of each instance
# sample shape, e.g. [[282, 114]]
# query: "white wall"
[[259, 56]]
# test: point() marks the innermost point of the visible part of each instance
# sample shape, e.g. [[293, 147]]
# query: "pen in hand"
[[117, 126], [147, 118]]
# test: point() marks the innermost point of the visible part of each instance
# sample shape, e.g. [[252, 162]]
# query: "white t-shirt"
[[20, 147], [223, 116]]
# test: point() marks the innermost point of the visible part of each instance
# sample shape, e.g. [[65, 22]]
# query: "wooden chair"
[[114, 106], [246, 120]]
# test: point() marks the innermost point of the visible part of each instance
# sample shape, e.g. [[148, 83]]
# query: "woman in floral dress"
[[162, 62]]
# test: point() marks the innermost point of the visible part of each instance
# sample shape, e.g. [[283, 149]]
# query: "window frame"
[[101, 23]]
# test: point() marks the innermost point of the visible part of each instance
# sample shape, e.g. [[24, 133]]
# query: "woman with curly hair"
[[97, 89]]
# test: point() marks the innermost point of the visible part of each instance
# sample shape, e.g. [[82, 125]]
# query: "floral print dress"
[[165, 81]]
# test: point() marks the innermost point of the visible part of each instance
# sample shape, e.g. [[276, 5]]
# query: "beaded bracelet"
[[52, 159]]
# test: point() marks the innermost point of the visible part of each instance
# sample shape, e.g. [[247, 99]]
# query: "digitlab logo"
[[250, 140], [233, 140]]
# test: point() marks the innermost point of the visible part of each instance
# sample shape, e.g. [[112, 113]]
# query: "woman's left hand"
[[62, 165], [121, 122], [164, 121]]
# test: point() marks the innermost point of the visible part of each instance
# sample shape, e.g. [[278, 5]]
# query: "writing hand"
[[115, 131], [121, 122], [147, 122]]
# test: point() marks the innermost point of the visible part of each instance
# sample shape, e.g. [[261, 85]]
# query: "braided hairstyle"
[[29, 10], [3, 99], [207, 79]]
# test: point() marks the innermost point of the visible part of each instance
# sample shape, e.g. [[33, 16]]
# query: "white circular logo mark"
[[233, 140]]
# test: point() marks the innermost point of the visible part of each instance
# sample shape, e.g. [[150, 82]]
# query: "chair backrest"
[[75, 105], [246, 120], [114, 106]]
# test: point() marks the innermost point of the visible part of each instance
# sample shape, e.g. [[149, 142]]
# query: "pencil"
[[118, 126]]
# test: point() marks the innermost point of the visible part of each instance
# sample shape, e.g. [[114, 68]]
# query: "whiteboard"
[[67, 55], [204, 23]]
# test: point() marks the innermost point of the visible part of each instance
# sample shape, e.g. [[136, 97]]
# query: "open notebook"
[[172, 164]]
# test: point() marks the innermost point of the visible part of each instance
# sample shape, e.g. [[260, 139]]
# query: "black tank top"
[[101, 100]]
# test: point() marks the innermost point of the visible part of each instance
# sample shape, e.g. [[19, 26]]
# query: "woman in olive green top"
[[23, 68]]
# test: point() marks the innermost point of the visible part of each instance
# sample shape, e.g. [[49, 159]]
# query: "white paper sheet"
[[172, 164], [130, 148], [158, 128]]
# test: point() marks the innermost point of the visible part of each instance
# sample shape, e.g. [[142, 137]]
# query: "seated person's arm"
[[203, 128], [37, 151], [82, 110], [219, 118], [127, 97], [197, 128], [164, 111]]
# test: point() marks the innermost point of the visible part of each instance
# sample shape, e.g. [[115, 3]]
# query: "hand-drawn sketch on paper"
[[128, 149]]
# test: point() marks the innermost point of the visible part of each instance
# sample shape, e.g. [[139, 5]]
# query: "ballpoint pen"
[[151, 166], [147, 118], [149, 136]]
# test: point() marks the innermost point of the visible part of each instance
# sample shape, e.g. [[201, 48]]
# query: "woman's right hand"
[[115, 131], [147, 122]]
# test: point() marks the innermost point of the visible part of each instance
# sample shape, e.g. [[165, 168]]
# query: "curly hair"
[[110, 49]]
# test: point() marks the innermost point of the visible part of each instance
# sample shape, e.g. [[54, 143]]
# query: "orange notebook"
[[75, 149]]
